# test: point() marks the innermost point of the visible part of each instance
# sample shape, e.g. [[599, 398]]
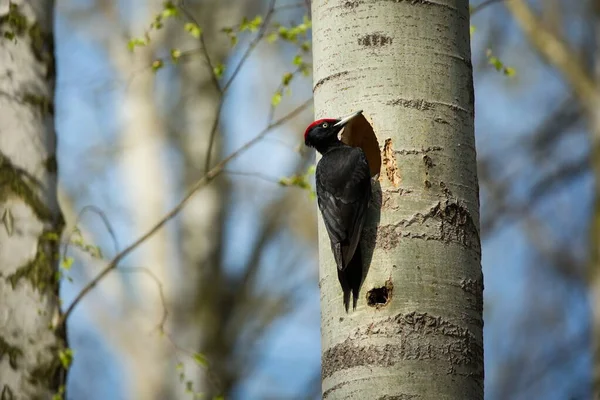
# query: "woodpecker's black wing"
[[343, 183]]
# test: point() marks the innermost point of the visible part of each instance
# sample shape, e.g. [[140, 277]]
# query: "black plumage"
[[343, 183]]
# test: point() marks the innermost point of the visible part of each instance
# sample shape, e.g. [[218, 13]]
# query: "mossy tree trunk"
[[31, 218], [418, 328]]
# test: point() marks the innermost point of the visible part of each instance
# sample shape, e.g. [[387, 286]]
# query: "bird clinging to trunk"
[[343, 183]]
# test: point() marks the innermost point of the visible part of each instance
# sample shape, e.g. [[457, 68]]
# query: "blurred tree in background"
[[236, 269]]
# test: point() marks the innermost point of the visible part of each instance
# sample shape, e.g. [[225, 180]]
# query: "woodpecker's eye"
[[325, 125]]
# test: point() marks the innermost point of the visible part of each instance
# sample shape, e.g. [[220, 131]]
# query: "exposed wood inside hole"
[[359, 133], [381, 296]]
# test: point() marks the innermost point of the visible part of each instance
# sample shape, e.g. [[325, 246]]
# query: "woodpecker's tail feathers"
[[351, 278]]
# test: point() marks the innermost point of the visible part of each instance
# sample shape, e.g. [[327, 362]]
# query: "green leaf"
[[193, 29], [93, 251], [175, 54], [287, 78], [499, 65], [305, 46], [51, 236], [305, 70], [136, 42], [272, 37], [233, 40], [255, 23], [244, 25], [66, 357], [157, 64], [60, 394], [200, 360], [285, 33], [472, 29], [67, 263], [179, 366], [276, 99], [297, 60], [157, 24], [170, 10], [218, 70]]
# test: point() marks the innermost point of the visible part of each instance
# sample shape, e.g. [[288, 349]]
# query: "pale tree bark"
[[418, 328], [585, 85], [146, 187], [31, 218]]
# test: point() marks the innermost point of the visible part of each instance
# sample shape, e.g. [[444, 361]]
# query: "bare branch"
[[102, 215], [203, 48], [163, 320]]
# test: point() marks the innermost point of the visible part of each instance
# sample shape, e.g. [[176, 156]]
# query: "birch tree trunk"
[[31, 218], [418, 328]]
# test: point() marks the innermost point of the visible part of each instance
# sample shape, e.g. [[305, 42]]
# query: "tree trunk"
[[200, 226], [418, 328], [147, 190], [31, 219]]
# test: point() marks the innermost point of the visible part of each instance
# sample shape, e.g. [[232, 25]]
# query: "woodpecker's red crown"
[[329, 121]]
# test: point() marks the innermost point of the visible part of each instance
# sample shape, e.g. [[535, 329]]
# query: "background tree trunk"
[[556, 50], [145, 177], [408, 66], [31, 218]]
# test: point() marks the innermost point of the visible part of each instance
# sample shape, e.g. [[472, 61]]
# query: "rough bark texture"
[[418, 330], [31, 218]]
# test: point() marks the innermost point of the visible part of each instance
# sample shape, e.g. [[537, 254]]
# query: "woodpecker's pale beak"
[[343, 121]]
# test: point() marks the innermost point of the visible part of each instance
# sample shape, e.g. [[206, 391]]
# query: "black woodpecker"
[[343, 182]]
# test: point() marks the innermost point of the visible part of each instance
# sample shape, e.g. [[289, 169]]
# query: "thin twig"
[[102, 215], [200, 183], [204, 49], [279, 90], [248, 52], [256, 175], [253, 44], [308, 8], [163, 320]]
